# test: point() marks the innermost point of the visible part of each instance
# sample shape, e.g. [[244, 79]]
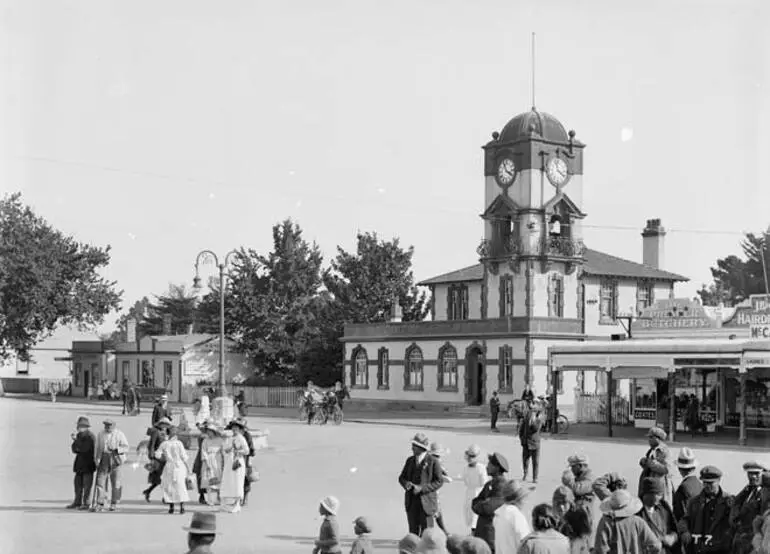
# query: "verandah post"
[[742, 439], [671, 404], [610, 387]]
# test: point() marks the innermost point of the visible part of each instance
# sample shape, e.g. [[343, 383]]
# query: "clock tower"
[[532, 250]]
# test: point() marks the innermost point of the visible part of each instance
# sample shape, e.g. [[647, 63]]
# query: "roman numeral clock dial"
[[506, 172], [557, 172]]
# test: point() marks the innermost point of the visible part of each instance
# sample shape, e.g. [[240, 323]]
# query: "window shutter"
[[449, 303], [551, 306], [406, 369], [501, 369], [502, 295], [379, 368], [615, 292], [465, 302]]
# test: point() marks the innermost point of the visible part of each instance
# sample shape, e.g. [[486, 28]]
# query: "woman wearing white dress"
[[212, 463], [173, 479], [235, 451], [475, 477]]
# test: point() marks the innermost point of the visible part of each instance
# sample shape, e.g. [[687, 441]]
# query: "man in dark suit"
[[490, 499], [747, 506], [161, 410], [494, 410], [690, 487], [420, 479], [705, 527], [529, 435]]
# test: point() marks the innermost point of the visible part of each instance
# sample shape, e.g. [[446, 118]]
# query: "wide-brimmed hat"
[[473, 451], [331, 505], [686, 459], [500, 461], [433, 541], [163, 421], [621, 504], [754, 467], [420, 441], [437, 450], [361, 525], [203, 523], [239, 422], [83, 421], [658, 433]]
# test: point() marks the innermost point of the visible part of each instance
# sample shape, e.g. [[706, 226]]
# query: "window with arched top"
[[383, 369], [447, 368], [359, 375], [413, 372]]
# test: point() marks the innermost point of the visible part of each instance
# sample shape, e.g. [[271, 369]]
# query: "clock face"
[[557, 171], [506, 172]]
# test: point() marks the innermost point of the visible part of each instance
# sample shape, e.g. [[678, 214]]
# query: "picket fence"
[[592, 408], [270, 397]]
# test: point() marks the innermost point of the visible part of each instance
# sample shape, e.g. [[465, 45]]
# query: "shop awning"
[[634, 372]]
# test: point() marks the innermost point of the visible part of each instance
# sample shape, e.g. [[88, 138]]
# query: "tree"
[[178, 303], [275, 300], [735, 278], [135, 312], [47, 279]]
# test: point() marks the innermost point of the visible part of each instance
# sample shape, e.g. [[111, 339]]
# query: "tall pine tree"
[[735, 278], [178, 303]]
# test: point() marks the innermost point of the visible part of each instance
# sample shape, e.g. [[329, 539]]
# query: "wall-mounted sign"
[[647, 415], [755, 313], [760, 331], [681, 313]]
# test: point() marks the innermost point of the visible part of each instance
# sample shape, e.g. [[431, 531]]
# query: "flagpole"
[[764, 261]]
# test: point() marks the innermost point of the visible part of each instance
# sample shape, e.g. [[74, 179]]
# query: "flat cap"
[[500, 461], [754, 467], [710, 473], [576, 459]]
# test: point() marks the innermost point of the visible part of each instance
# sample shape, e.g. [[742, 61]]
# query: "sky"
[[163, 128]]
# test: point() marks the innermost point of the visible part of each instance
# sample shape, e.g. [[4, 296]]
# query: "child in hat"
[[475, 477], [328, 541], [84, 466], [363, 543]]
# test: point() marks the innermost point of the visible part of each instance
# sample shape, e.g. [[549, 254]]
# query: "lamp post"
[[223, 403]]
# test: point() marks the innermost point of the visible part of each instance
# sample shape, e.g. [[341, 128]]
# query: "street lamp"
[[223, 404]]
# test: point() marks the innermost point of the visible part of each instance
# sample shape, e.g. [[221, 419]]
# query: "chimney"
[[167, 324], [395, 311], [130, 330], [653, 247]]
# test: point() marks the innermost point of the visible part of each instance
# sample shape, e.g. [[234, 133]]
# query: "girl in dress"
[[173, 480], [475, 477], [212, 464], [234, 471]]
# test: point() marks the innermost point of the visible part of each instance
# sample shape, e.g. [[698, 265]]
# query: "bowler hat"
[[420, 441], [710, 474], [754, 467], [203, 523], [686, 459], [83, 422], [500, 461], [621, 504]]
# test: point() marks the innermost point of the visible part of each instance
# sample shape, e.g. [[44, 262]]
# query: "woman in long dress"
[[235, 451], [212, 462], [174, 476], [475, 477]]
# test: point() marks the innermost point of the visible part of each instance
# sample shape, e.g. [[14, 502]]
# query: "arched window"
[[383, 369], [447, 368], [359, 376], [413, 368]]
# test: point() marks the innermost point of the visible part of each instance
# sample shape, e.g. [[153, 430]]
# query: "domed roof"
[[523, 125]]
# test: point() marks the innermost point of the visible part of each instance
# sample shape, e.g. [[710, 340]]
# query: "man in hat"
[[494, 410], [490, 498], [659, 515], [109, 454], [747, 505], [621, 529], [579, 479], [201, 532], [656, 463], [690, 487], [420, 478], [158, 433], [529, 436], [705, 527], [510, 524], [161, 410], [84, 466]]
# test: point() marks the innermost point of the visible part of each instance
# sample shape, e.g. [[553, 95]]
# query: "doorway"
[[475, 379], [86, 382]]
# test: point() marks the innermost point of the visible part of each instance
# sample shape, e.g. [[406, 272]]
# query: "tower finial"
[[533, 71]]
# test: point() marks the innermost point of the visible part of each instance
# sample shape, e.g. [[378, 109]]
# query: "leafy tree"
[[275, 300], [137, 312], [47, 279], [179, 303], [735, 278]]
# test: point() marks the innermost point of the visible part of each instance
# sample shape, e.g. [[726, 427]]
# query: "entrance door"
[[475, 381], [86, 382], [664, 400]]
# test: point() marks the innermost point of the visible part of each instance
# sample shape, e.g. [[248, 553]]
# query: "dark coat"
[[742, 517], [484, 505], [529, 433], [156, 439], [697, 521], [669, 529], [627, 535], [494, 404], [83, 448], [159, 412], [689, 488], [430, 480]]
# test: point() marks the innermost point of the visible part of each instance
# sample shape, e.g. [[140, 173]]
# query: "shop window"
[[505, 384], [447, 368], [95, 375], [78, 373], [645, 296], [608, 301], [168, 374], [457, 302], [556, 295], [413, 370], [506, 295], [360, 373], [383, 369]]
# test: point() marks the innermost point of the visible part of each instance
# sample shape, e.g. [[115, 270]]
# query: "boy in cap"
[[201, 532], [490, 498], [747, 506], [84, 466], [705, 527], [657, 461], [690, 487], [420, 478], [658, 514], [363, 542]]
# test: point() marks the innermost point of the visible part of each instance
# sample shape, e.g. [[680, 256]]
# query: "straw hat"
[[686, 459], [331, 505], [621, 504]]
